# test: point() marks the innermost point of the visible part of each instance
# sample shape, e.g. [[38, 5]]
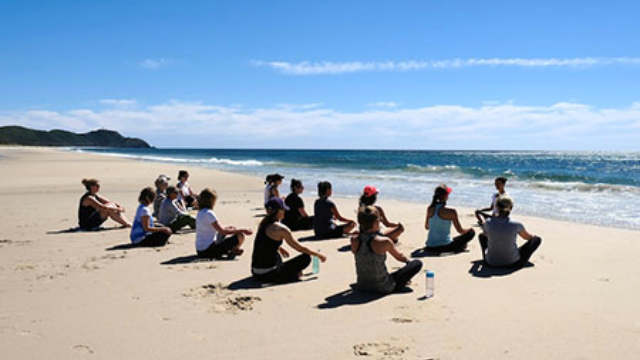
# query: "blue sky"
[[418, 74]]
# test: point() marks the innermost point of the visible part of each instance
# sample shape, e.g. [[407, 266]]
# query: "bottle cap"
[[430, 273]]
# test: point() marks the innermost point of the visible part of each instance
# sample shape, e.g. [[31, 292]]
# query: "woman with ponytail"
[[95, 209], [438, 222], [266, 261]]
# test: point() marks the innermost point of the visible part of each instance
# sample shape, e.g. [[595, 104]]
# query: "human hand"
[[322, 257], [283, 252], [246, 231]]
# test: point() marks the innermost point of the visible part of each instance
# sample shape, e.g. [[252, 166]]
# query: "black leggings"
[[526, 250], [403, 275], [154, 240], [458, 244], [285, 272]]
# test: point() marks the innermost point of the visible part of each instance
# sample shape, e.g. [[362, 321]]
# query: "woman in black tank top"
[[94, 209], [266, 260]]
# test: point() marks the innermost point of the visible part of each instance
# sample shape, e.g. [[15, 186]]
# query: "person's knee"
[[305, 259], [471, 233], [417, 264], [240, 238]]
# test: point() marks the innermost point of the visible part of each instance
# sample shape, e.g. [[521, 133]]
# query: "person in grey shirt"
[[499, 240], [172, 214]]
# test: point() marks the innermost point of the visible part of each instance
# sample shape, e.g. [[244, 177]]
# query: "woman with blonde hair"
[[94, 209]]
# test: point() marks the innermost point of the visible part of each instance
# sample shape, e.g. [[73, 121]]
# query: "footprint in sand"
[[224, 300], [380, 350], [402, 320], [84, 349]]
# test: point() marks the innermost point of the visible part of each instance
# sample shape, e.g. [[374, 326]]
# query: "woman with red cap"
[[369, 198], [438, 223]]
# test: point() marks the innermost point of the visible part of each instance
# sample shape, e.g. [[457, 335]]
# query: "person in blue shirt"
[[438, 222]]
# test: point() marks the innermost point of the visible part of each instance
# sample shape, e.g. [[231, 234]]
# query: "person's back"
[[323, 217], [138, 232], [294, 203], [371, 269], [85, 212], [265, 256], [439, 229], [168, 211], [502, 233]]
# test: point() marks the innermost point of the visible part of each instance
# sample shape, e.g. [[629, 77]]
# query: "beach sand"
[[80, 295]]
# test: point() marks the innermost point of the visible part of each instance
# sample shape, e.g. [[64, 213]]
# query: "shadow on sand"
[[352, 296], [422, 252], [78, 230], [191, 259], [482, 270], [250, 283]]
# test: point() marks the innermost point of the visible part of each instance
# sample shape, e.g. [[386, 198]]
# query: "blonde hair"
[[89, 182], [367, 216], [207, 198]]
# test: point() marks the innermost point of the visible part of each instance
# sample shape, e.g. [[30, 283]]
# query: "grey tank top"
[[371, 268]]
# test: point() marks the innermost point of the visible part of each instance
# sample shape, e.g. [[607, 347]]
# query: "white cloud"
[[329, 67], [119, 102], [383, 104], [155, 64], [490, 126]]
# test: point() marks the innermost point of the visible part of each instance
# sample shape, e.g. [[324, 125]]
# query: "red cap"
[[449, 190], [370, 190]]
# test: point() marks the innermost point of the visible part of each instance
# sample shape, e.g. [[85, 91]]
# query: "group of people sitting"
[[369, 243]]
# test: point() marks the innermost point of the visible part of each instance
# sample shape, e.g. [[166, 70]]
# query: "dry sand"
[[71, 295]]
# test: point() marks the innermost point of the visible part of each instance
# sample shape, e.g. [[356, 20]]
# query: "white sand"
[[66, 296]]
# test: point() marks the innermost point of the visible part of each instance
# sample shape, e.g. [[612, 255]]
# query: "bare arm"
[[391, 248], [426, 220], [146, 225], [278, 231], [96, 203], [526, 235], [456, 223], [302, 212], [229, 230], [383, 218], [336, 214]]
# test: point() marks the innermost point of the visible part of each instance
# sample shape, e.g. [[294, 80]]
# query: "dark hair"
[[207, 198], [502, 179], [183, 173], [88, 183], [438, 195], [147, 195], [367, 216], [270, 219], [323, 187], [368, 200], [295, 183], [171, 190], [272, 178]]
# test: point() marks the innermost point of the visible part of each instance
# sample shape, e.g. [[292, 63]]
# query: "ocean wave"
[[432, 168], [582, 187], [212, 160]]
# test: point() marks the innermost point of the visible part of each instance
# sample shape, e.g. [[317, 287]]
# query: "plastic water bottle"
[[316, 264], [430, 284]]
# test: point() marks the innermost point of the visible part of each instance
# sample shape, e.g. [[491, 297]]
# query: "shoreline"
[[69, 295], [311, 189]]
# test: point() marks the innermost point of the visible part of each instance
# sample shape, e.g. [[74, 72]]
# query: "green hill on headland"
[[18, 135]]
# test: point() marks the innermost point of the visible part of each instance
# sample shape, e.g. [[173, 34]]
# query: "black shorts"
[[93, 222], [218, 249], [335, 233]]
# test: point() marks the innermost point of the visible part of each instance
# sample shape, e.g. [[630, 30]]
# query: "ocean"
[[601, 188]]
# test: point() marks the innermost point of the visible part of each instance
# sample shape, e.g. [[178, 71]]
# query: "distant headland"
[[18, 135]]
